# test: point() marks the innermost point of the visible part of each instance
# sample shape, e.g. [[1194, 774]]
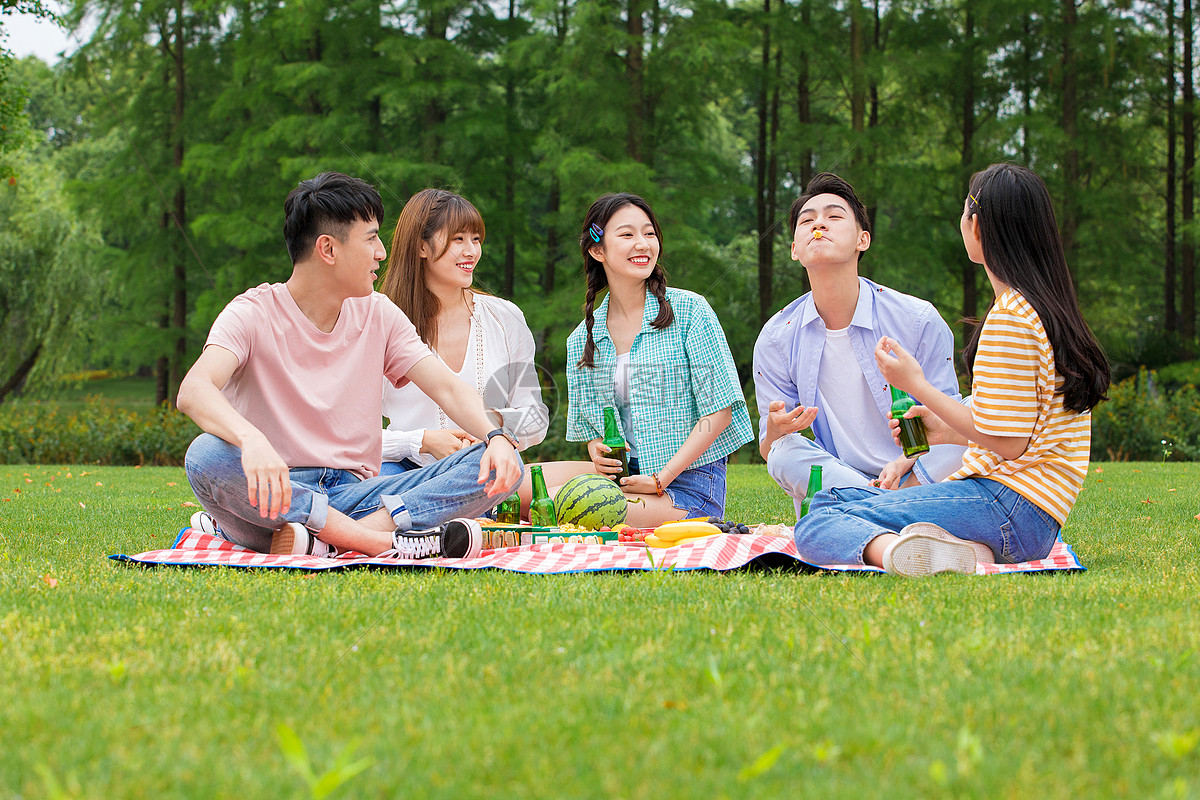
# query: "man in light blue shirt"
[[814, 361]]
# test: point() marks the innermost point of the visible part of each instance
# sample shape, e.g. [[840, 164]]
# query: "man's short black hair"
[[828, 183], [327, 204]]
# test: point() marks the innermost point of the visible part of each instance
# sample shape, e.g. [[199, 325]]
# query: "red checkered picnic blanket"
[[720, 553]]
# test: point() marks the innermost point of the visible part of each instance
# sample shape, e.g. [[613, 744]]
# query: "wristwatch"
[[500, 432]]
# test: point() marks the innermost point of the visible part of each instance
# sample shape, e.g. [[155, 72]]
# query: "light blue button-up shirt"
[[787, 362]]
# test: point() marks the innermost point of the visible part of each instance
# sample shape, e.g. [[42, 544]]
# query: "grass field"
[[121, 681]]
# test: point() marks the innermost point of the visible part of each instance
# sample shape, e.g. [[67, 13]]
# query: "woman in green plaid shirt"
[[658, 356]]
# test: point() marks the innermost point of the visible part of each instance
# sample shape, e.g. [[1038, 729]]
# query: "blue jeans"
[[397, 467], [417, 499], [841, 522], [791, 457], [699, 491]]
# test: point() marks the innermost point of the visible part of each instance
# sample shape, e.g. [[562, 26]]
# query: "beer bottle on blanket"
[[814, 486], [509, 512], [541, 509], [615, 442], [913, 440]]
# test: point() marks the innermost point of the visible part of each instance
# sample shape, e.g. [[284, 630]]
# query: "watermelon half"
[[590, 501]]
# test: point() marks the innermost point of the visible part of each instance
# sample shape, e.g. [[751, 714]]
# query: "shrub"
[[102, 433], [1141, 421]]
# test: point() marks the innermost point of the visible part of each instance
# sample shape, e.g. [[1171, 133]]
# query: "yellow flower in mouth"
[[817, 235]]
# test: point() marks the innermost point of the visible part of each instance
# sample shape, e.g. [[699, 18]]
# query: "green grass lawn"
[[122, 681]]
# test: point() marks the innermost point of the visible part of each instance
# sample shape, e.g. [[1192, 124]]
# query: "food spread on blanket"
[[669, 534]]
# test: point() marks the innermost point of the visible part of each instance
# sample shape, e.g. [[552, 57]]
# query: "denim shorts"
[[698, 491]]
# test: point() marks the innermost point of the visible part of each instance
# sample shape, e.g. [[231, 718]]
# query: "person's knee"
[[207, 449], [807, 527], [780, 462]]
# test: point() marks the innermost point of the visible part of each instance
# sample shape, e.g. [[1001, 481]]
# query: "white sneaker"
[[917, 555], [202, 521], [293, 539], [983, 553], [458, 538]]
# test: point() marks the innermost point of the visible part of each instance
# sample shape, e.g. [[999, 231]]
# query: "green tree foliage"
[[197, 117], [48, 281]]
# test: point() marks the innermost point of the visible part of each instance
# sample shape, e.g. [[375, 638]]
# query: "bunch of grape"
[[729, 527]]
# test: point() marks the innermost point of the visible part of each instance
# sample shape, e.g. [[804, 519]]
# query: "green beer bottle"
[[541, 509], [814, 486], [913, 440], [615, 442], [509, 512]]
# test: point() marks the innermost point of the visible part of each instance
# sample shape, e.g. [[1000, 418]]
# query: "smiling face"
[[450, 259], [630, 245], [828, 233], [358, 253]]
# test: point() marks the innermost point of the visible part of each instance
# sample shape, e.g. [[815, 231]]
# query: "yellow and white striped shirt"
[[1013, 394]]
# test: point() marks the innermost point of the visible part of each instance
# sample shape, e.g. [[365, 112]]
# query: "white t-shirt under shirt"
[[621, 395], [842, 386], [499, 365], [315, 395]]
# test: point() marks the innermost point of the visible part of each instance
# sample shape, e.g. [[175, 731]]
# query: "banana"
[[654, 541], [674, 531]]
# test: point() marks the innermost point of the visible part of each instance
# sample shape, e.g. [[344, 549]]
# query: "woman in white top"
[[483, 339]]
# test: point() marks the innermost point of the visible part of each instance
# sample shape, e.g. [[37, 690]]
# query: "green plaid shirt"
[[676, 376]]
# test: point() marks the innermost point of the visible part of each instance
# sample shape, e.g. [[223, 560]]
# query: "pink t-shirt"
[[315, 395]]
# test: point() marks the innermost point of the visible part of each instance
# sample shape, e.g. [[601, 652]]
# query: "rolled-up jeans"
[[841, 522], [417, 499]]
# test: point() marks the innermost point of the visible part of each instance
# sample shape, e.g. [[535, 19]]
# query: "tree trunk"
[[434, 114], [766, 222], [552, 238], [858, 91], [635, 77], [970, 293], [1170, 318], [17, 379], [510, 166], [804, 101], [1187, 271], [804, 117], [179, 288], [1070, 129]]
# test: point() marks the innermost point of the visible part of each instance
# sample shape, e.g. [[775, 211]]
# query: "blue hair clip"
[[596, 232]]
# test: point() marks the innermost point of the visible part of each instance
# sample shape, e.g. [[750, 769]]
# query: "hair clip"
[[973, 200], [596, 231]]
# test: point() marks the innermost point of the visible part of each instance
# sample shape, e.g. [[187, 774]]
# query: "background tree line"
[[162, 149]]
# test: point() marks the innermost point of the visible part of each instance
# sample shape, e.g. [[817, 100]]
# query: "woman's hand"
[[936, 430], [608, 467], [901, 369], [440, 444], [640, 484], [892, 473]]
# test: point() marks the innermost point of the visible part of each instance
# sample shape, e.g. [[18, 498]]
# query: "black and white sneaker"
[[293, 539], [458, 538]]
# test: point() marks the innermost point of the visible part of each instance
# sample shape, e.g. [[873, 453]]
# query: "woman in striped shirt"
[[1037, 372]]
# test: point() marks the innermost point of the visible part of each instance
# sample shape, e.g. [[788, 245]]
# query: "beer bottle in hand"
[[913, 440], [814, 486], [541, 509], [615, 442]]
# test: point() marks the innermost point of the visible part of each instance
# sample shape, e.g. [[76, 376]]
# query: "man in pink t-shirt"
[[286, 391]]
